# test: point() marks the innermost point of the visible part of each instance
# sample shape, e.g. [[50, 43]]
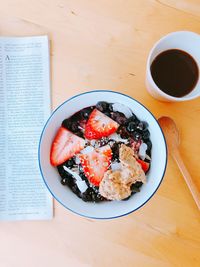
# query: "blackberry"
[[133, 118], [110, 107], [131, 126], [149, 144], [85, 113], [70, 125], [119, 117], [146, 134], [123, 132], [107, 114], [102, 106], [80, 134], [137, 136], [74, 126], [67, 124]]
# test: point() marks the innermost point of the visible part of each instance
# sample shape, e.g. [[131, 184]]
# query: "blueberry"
[[66, 124], [99, 198], [146, 134], [69, 163], [62, 172], [66, 178], [145, 125], [85, 113], [137, 136], [115, 151], [80, 134], [119, 117], [91, 195], [102, 106], [64, 181], [138, 184], [110, 107], [75, 189], [149, 144], [86, 196], [148, 152], [142, 126], [107, 114], [132, 118], [70, 125], [131, 126], [74, 126], [136, 187]]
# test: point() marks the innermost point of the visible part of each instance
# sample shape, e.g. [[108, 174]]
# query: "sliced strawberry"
[[99, 125], [145, 165], [65, 145], [95, 163]]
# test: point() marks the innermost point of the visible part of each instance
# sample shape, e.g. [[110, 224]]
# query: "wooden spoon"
[[172, 137]]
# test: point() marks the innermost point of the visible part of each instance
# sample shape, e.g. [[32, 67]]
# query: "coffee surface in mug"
[[175, 72]]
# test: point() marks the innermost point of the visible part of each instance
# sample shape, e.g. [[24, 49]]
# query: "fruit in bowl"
[[102, 152]]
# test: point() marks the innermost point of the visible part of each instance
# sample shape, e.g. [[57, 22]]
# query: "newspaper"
[[24, 107]]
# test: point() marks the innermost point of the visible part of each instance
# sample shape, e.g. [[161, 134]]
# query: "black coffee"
[[175, 72]]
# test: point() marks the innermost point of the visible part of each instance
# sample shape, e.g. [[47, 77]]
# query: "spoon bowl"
[[171, 132]]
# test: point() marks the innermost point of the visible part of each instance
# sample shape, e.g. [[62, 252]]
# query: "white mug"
[[183, 40]]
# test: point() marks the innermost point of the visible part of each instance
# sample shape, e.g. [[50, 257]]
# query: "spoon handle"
[[188, 179]]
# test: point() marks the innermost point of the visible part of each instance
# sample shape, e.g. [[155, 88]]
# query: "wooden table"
[[104, 44]]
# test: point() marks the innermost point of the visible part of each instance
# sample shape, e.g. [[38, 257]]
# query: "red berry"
[[95, 163], [144, 165], [65, 146], [99, 125]]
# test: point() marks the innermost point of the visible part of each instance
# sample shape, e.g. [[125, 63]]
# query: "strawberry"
[[95, 163], [99, 125], [144, 165], [65, 145]]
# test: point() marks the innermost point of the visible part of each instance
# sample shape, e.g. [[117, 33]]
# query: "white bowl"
[[104, 210]]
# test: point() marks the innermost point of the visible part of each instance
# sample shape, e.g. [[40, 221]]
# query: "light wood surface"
[[186, 175], [173, 141], [104, 44]]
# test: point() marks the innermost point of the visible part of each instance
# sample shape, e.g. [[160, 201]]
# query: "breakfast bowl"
[[104, 209]]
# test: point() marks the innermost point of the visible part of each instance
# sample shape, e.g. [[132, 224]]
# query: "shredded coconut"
[[80, 183]]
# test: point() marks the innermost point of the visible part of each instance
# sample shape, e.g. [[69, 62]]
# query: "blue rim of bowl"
[[91, 217]]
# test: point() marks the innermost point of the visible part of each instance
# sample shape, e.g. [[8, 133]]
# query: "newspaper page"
[[24, 108]]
